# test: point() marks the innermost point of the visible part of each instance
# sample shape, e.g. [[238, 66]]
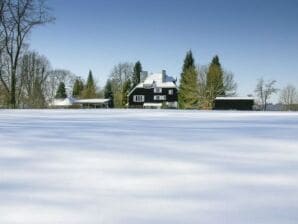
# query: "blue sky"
[[252, 38]]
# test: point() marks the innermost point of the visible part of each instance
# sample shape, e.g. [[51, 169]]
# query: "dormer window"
[[157, 90]]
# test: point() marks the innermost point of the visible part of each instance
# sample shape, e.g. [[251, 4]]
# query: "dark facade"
[[233, 104], [151, 96]]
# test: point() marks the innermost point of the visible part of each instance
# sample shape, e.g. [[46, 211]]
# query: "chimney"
[[144, 75], [164, 75]]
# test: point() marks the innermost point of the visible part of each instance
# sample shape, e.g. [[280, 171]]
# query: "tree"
[[61, 93], [120, 74], [264, 90], [108, 92], [189, 62], [188, 90], [18, 18], [55, 77], [136, 78], [78, 88], [215, 79], [229, 84], [126, 89], [289, 97], [90, 87], [206, 95], [34, 71]]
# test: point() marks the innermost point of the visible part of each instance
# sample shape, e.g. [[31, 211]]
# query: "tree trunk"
[[13, 89]]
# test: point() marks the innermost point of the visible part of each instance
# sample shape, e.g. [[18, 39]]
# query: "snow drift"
[[143, 166]]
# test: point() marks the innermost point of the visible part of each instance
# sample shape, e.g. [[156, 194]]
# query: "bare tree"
[[288, 97], [18, 18], [54, 78], [34, 71], [264, 90], [120, 74], [3, 87], [230, 86]]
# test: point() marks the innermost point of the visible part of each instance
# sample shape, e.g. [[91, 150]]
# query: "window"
[[138, 98], [171, 92], [160, 97], [157, 90]]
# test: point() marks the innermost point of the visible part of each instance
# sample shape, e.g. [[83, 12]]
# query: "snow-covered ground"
[[154, 166]]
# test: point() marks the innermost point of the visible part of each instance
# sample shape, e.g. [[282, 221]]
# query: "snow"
[[69, 101], [148, 166], [156, 80], [79, 101], [234, 98]]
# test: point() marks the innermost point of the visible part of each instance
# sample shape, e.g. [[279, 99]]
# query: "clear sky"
[[253, 38]]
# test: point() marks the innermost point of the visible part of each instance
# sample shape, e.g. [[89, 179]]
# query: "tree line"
[[27, 79], [200, 85]]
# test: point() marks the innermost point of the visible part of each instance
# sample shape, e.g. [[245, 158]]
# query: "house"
[[71, 102], [233, 103], [154, 91]]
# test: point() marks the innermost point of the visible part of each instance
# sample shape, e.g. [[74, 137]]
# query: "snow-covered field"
[[154, 166]]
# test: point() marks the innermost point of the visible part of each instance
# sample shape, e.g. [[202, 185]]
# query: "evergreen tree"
[[125, 91], [90, 88], [189, 62], [136, 78], [188, 91], [78, 88], [215, 83], [108, 92], [61, 92]]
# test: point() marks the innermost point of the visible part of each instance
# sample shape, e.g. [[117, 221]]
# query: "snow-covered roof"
[[159, 80], [63, 102], [234, 98], [99, 101], [69, 101]]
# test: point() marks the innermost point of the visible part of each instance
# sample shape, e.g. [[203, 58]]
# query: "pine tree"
[[125, 91], [189, 62], [188, 91], [61, 92], [78, 88], [136, 78], [90, 88], [215, 84], [108, 92]]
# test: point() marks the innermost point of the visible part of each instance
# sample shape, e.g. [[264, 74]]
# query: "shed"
[[233, 103]]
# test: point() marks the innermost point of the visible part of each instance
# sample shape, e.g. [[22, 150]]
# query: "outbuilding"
[[71, 102], [233, 103]]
